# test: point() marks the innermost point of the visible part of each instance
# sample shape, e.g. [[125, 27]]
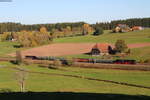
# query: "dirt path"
[[61, 49]]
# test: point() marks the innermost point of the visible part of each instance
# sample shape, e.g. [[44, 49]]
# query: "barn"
[[101, 49]]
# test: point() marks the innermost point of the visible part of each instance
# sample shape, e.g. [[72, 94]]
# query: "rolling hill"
[[130, 37]]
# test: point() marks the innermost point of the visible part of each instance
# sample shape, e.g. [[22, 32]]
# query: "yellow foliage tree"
[[23, 31], [86, 29], [43, 30]]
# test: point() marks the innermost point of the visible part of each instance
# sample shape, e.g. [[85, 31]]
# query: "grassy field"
[[130, 37], [7, 47], [140, 53], [48, 83]]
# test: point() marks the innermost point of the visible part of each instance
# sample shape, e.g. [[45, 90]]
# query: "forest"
[[17, 27]]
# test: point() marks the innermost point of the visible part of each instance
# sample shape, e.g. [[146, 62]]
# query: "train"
[[83, 60], [117, 61]]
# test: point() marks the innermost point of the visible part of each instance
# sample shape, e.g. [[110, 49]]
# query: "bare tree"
[[21, 77]]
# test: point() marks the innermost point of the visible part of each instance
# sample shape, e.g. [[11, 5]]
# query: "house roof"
[[137, 27], [103, 47], [122, 25]]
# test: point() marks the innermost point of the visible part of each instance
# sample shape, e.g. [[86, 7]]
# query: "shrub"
[[5, 90], [57, 63], [98, 31], [69, 62], [128, 52], [51, 66], [141, 61], [147, 61]]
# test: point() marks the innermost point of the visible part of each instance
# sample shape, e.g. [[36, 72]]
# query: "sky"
[[56, 11]]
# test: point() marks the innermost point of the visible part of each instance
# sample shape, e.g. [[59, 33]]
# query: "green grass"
[[40, 83], [130, 37], [7, 48], [140, 54]]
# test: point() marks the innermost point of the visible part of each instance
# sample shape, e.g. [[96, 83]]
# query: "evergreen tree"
[[98, 31]]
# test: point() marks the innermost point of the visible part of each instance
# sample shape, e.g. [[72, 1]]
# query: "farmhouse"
[[101, 49], [122, 28]]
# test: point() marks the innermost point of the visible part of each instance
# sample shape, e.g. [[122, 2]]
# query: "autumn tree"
[[43, 30], [67, 31], [32, 39], [86, 29], [23, 31], [6, 36], [121, 46], [24, 39]]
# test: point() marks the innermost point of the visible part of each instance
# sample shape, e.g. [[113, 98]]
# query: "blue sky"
[[91, 11]]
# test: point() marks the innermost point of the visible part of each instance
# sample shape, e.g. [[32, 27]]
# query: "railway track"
[[7, 59], [138, 67]]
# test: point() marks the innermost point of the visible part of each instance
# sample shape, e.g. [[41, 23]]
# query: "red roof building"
[[101, 48], [137, 28]]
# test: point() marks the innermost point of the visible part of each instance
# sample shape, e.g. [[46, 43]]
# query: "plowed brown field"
[[62, 49]]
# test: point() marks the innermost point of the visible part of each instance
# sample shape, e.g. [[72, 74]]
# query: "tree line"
[[17, 27], [144, 22]]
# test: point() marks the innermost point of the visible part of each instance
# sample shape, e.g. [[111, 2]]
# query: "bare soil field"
[[61, 49], [138, 45]]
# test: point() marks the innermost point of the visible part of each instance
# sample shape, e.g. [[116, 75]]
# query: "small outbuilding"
[[101, 49], [136, 28]]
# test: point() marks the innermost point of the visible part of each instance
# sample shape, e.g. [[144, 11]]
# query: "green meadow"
[[52, 83], [8, 47]]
